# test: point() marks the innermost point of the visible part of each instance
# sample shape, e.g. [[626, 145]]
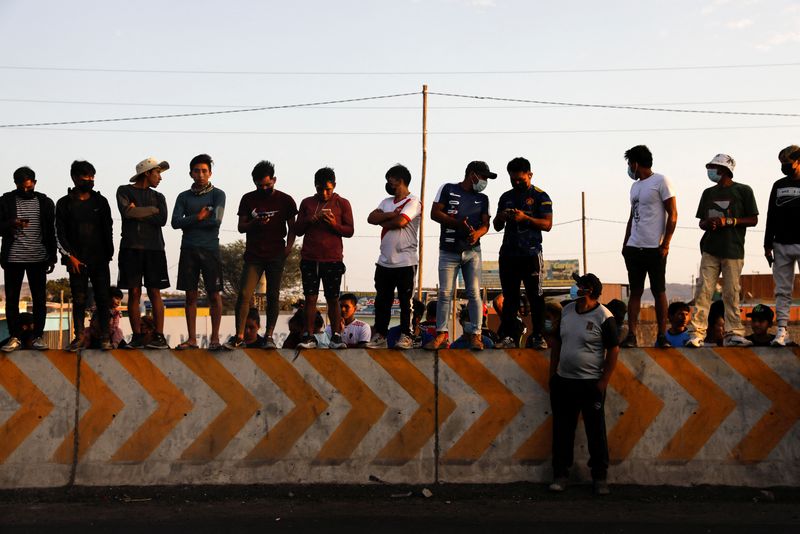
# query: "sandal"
[[186, 346], [214, 346]]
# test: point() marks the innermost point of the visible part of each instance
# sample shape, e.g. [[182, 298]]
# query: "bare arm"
[[671, 207]]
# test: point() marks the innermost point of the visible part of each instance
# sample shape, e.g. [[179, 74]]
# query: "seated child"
[[355, 333], [427, 328], [552, 323], [463, 341], [418, 310], [251, 327], [678, 314], [761, 322]]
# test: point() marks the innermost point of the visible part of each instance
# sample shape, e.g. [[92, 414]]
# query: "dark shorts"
[[136, 264], [195, 261], [330, 272], [645, 262]]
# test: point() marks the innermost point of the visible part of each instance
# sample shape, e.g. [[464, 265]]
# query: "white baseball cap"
[[148, 164], [723, 160]]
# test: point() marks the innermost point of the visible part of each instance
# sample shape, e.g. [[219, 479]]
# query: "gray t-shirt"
[[584, 340]]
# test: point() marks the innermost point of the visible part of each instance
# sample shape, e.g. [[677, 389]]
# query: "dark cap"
[[589, 282], [481, 169], [761, 311]]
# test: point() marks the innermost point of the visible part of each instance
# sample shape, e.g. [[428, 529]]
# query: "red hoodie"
[[323, 242]]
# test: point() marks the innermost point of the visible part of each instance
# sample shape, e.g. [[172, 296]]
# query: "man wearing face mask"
[[525, 212], [782, 237], [463, 213], [726, 209], [85, 239], [27, 224]]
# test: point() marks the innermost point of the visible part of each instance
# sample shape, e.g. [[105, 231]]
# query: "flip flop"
[[214, 347], [186, 346]]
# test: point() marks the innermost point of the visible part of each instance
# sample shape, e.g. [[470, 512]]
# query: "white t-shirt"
[[648, 218], [399, 246], [354, 333]]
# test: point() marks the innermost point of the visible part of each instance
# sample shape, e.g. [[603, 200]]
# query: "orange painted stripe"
[[366, 408], [714, 405], [34, 407], [308, 404], [643, 408], [406, 444], [240, 405], [172, 407], [503, 407], [538, 447], [782, 414], [104, 406]]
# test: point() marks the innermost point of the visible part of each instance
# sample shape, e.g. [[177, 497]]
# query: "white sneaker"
[[377, 342], [12, 345], [405, 342], [39, 344], [781, 338], [559, 484], [337, 342], [694, 342], [506, 343], [734, 340]]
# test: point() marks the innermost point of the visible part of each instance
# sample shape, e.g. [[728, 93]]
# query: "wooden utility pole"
[[60, 326], [583, 229], [422, 187]]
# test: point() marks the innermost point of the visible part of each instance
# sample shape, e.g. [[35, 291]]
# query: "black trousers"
[[100, 277], [516, 270], [37, 281], [570, 397], [386, 280]]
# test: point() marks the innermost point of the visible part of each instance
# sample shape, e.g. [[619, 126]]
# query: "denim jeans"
[[469, 262]]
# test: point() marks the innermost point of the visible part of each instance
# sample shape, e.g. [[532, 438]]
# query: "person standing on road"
[[782, 237], [324, 219], [462, 210], [141, 250], [198, 212], [27, 224], [582, 360], [267, 218], [651, 223], [398, 216], [725, 211], [86, 240], [525, 212]]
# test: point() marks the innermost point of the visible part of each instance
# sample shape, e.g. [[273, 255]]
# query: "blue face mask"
[[631, 174], [548, 325], [713, 175]]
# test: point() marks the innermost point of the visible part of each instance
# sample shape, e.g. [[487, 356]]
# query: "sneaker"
[[105, 344], [337, 342], [74, 345], [600, 487], [734, 340], [662, 343], [308, 342], [405, 342], [233, 343], [269, 343], [435, 343], [475, 342], [39, 344], [559, 484], [158, 342], [781, 338], [538, 343], [694, 342], [629, 342], [378, 341], [506, 343], [12, 345], [137, 342]]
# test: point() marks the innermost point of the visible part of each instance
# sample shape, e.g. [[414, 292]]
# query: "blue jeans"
[[469, 262]]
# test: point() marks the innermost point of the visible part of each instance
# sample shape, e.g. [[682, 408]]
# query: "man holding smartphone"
[[198, 212]]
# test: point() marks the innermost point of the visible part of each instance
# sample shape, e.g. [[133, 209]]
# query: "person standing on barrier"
[[725, 211], [85, 238], [651, 223], [782, 237], [398, 216], [141, 250], [524, 212], [462, 210], [582, 360], [267, 218], [198, 212], [324, 219], [27, 224]]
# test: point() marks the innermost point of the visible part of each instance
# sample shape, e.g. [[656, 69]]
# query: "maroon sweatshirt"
[[323, 242]]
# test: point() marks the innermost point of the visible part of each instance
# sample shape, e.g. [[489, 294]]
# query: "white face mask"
[[480, 185], [713, 175], [631, 174]]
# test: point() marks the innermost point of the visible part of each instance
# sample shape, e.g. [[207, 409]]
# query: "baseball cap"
[[724, 160], [589, 281], [148, 164], [481, 169], [761, 311]]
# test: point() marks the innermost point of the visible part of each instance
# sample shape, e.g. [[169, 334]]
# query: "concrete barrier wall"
[[704, 416]]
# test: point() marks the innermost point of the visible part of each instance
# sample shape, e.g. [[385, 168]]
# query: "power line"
[[749, 229]]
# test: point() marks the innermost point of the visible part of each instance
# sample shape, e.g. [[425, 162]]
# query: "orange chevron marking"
[[782, 414], [366, 408], [240, 405], [34, 407], [503, 407], [308, 404], [104, 405], [172, 407], [537, 448], [419, 429], [643, 407], [714, 405]]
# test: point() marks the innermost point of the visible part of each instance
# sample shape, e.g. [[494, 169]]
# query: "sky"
[[88, 60]]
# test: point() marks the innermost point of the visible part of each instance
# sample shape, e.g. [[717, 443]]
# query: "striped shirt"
[[27, 246]]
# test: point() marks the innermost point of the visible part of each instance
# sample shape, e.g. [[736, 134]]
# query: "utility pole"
[[422, 187], [583, 229]]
